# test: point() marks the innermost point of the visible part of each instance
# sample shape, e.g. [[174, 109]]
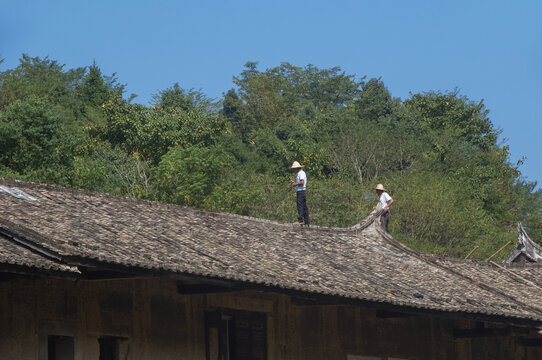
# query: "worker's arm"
[[388, 204], [301, 182]]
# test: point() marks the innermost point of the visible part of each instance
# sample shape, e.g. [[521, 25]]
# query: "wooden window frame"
[[242, 335]]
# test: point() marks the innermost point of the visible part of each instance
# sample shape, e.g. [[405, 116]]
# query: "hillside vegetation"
[[438, 154]]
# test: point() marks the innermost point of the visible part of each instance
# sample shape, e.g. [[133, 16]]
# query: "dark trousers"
[[384, 218], [302, 209]]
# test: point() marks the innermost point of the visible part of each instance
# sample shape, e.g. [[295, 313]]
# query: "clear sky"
[[489, 50]]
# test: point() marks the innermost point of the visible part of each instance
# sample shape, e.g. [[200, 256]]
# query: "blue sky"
[[489, 50]]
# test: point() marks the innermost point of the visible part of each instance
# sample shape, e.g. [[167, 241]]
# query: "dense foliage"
[[438, 153]]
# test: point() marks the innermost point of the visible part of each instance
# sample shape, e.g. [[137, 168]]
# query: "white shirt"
[[384, 199], [301, 176]]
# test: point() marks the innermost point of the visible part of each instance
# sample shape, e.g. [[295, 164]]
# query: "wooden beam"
[[524, 341], [481, 332], [309, 301], [383, 314], [105, 275], [189, 289], [498, 251]]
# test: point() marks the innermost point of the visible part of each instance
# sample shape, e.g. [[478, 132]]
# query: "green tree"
[[188, 175], [35, 77], [375, 101], [186, 100], [435, 214], [37, 142], [151, 132], [452, 113], [281, 92], [233, 111], [113, 171], [95, 88]]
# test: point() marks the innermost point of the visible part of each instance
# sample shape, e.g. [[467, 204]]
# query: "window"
[[109, 348], [60, 347], [235, 335]]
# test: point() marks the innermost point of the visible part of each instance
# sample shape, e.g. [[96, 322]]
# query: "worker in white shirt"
[[385, 200], [300, 185]]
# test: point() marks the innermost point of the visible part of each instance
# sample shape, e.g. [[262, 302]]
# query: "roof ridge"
[[364, 223]]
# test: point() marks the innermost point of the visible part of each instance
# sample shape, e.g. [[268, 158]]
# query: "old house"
[[94, 276]]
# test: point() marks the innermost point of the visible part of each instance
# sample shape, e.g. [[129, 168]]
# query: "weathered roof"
[[19, 259], [360, 263], [526, 247]]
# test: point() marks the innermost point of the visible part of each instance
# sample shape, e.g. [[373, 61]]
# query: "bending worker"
[[300, 185], [385, 200]]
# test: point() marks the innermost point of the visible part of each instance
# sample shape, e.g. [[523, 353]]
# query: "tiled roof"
[[18, 258], [360, 263]]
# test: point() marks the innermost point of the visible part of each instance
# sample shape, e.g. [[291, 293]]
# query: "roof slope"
[[358, 263], [17, 258]]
